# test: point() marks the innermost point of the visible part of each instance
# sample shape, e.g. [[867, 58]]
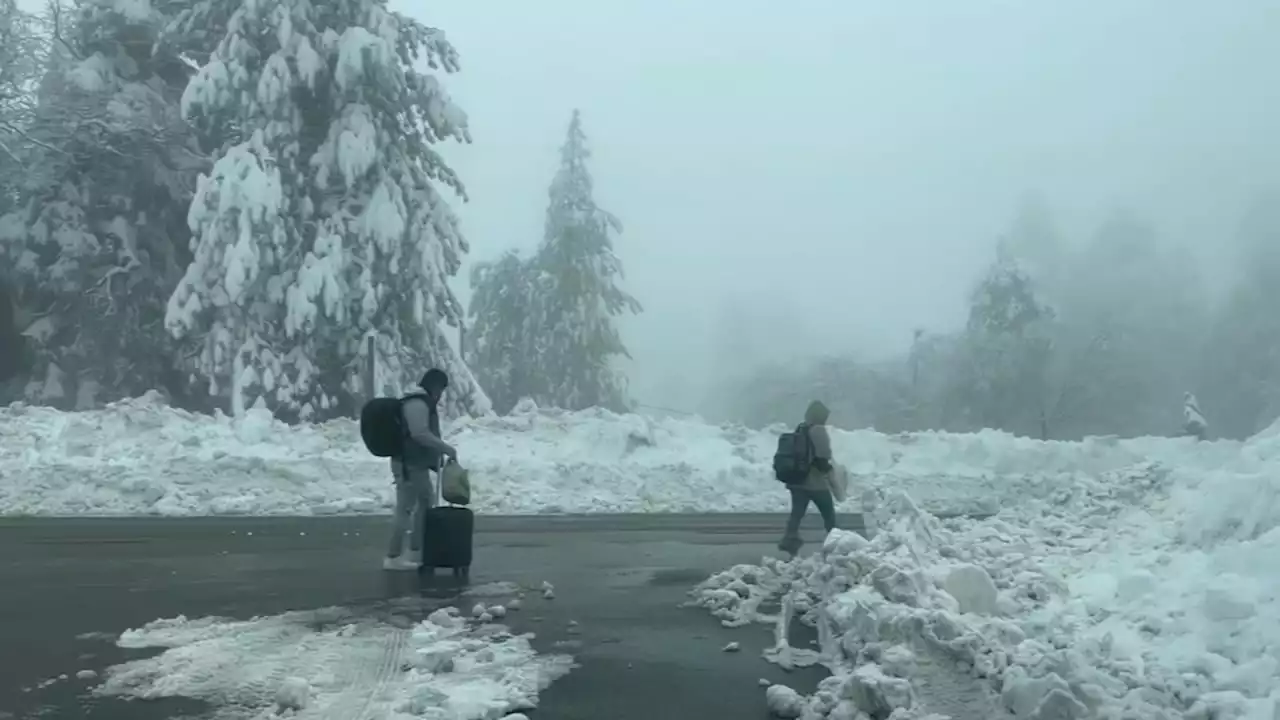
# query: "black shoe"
[[791, 546]]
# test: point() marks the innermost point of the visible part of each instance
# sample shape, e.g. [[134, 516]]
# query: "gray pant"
[[800, 499], [415, 494]]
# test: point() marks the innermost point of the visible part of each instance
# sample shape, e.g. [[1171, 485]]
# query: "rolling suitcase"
[[447, 535]]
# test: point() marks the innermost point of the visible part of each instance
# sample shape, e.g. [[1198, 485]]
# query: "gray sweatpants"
[[415, 494]]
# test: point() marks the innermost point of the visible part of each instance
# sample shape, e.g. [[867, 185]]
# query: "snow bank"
[[140, 457], [1146, 591], [330, 664]]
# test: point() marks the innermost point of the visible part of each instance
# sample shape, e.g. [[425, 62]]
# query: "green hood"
[[817, 414]]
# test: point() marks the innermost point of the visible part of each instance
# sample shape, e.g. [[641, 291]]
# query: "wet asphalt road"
[[69, 586]]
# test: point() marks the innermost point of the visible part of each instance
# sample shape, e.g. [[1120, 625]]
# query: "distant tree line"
[[1067, 339]]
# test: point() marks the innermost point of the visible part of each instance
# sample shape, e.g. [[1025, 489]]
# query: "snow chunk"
[[1227, 604], [783, 701], [877, 694], [294, 694], [973, 589]]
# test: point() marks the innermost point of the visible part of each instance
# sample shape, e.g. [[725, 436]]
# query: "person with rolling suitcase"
[[407, 430]]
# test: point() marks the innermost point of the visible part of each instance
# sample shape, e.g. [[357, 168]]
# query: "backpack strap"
[[400, 418], [404, 429], [808, 440]]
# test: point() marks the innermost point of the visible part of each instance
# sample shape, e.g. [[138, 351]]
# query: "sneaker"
[[398, 564]]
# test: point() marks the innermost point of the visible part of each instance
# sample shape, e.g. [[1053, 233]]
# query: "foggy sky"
[[853, 162]]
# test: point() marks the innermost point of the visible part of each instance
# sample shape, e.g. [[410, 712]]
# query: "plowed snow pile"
[[140, 457], [332, 664], [1147, 591]]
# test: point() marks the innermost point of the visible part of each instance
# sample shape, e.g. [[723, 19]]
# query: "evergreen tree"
[[576, 286], [99, 238], [1008, 346], [321, 222], [503, 351]]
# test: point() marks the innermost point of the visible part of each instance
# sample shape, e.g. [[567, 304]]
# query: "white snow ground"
[[1121, 579], [1139, 592], [139, 457], [327, 664]]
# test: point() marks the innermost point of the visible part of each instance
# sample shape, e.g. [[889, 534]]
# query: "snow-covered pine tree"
[[504, 353], [1008, 343], [577, 290], [99, 239], [321, 223]]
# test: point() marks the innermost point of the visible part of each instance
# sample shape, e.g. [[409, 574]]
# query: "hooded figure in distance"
[[816, 488]]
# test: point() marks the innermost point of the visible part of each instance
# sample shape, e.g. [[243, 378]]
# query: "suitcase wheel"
[[462, 572]]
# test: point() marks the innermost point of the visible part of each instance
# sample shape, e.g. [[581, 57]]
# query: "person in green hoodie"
[[816, 488]]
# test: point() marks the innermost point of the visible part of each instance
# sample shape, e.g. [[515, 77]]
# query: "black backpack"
[[794, 456], [382, 426]]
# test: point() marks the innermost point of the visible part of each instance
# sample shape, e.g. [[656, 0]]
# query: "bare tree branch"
[[53, 9]]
